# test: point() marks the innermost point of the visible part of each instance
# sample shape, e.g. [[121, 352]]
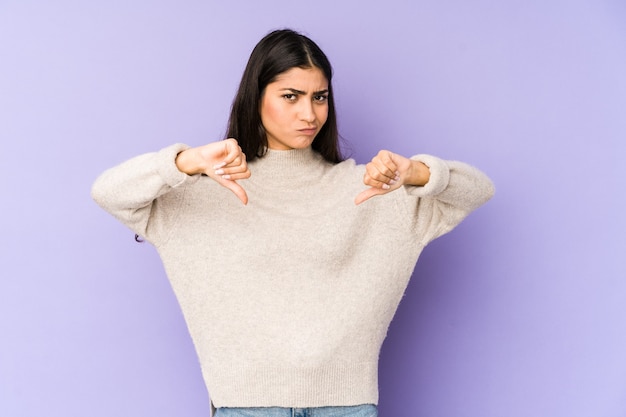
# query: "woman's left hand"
[[387, 171]]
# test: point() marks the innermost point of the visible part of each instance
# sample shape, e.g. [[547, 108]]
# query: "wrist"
[[419, 174], [187, 162]]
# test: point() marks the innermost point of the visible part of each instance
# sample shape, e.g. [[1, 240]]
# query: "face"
[[294, 108]]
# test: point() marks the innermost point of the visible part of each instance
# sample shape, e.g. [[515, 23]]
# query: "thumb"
[[236, 189], [367, 194]]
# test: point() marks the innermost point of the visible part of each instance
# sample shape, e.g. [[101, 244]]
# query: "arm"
[[447, 191], [129, 190]]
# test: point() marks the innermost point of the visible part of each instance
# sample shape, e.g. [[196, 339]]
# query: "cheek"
[[322, 114], [271, 112]]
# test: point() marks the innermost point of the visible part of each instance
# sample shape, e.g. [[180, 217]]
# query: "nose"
[[307, 112]]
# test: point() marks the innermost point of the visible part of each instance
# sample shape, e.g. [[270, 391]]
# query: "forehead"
[[312, 78]]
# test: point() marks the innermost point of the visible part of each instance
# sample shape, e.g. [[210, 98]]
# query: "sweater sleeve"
[[454, 190], [129, 191]]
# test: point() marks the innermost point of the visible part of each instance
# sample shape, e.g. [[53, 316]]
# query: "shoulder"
[[347, 167], [347, 175]]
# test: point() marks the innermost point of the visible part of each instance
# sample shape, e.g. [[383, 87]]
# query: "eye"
[[322, 98], [290, 97]]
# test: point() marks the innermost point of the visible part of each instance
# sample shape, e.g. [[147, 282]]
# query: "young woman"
[[288, 262]]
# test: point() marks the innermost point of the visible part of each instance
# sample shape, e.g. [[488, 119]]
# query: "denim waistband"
[[365, 410]]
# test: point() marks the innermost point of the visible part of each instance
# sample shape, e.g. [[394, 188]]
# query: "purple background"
[[521, 311]]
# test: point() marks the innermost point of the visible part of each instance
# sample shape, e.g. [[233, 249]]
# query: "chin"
[[302, 143]]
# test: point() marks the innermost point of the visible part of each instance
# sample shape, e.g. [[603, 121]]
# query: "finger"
[[229, 151], [239, 170], [238, 160], [236, 176], [385, 163], [383, 182], [367, 194], [381, 171], [234, 153], [239, 165], [384, 173]]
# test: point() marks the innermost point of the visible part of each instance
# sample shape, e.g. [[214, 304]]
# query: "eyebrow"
[[293, 90]]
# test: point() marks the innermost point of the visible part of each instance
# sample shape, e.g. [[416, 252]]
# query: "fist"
[[223, 161]]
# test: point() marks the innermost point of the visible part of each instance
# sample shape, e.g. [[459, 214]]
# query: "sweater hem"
[[302, 387]]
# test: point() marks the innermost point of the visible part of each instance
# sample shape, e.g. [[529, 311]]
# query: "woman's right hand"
[[223, 161]]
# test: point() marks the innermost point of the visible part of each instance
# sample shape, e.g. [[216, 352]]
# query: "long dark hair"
[[277, 52]]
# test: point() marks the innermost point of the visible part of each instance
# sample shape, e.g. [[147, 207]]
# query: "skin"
[[293, 110], [223, 161]]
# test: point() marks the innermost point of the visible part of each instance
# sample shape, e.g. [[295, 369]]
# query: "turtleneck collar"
[[287, 164]]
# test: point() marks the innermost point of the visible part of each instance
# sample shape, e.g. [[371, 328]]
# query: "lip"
[[310, 131]]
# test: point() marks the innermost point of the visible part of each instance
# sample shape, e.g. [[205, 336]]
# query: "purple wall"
[[520, 312]]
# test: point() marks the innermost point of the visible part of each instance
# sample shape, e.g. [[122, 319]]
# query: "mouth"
[[308, 131]]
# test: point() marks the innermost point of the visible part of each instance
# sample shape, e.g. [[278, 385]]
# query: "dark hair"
[[276, 53]]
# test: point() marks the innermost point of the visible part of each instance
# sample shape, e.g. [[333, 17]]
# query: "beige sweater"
[[289, 298]]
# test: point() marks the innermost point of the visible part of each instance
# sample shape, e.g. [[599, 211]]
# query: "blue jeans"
[[365, 410]]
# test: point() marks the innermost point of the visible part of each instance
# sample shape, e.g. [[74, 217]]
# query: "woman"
[[287, 270]]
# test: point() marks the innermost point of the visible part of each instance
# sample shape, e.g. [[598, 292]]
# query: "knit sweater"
[[288, 298]]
